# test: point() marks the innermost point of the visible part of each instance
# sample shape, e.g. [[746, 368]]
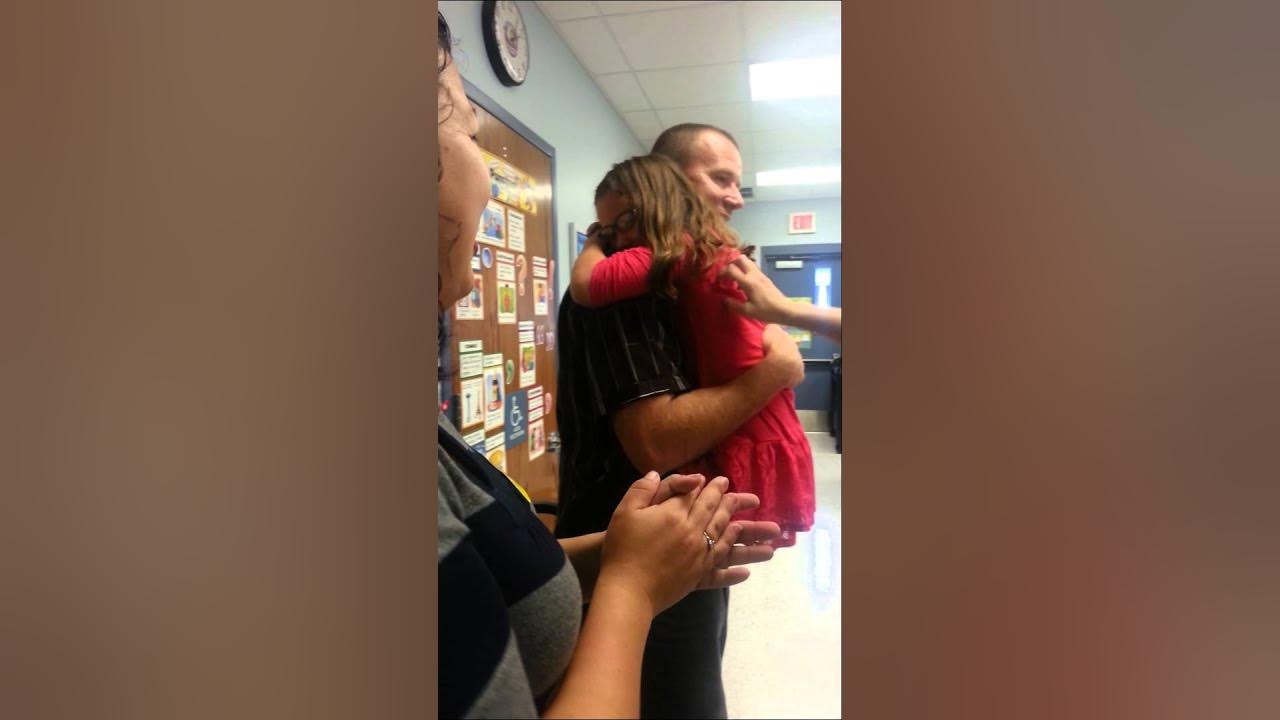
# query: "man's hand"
[[783, 356]]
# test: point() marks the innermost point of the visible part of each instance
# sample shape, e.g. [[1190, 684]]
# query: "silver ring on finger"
[[711, 542]]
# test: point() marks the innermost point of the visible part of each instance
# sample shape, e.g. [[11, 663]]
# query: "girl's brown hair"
[[667, 207]]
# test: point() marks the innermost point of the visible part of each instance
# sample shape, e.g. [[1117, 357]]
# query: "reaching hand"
[[765, 302]]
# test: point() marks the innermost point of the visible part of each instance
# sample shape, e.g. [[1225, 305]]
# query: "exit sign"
[[800, 223]]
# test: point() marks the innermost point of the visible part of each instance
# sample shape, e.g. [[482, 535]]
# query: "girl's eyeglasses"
[[608, 233]]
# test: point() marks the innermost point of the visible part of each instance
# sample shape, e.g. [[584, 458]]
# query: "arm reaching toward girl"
[[765, 302]]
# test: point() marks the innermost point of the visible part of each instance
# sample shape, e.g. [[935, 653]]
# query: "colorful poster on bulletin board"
[[511, 186]]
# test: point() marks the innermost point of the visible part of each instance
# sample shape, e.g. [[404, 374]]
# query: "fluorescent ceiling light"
[[799, 176], [785, 79]]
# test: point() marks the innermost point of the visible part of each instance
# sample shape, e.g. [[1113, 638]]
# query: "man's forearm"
[[663, 432]]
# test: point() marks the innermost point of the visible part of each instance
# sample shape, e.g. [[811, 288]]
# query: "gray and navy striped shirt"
[[510, 603]]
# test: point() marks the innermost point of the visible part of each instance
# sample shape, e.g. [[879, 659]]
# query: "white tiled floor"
[[782, 659]]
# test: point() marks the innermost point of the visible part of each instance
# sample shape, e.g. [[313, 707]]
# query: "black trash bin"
[[835, 399]]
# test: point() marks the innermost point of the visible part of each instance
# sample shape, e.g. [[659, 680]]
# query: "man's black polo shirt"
[[608, 357]]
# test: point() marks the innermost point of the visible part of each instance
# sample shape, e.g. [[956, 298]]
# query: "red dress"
[[769, 454]]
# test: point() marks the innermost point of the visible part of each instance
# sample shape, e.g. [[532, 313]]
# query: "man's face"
[[715, 168]]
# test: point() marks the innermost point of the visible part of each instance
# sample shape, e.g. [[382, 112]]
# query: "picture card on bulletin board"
[[494, 398], [517, 418], [528, 364], [506, 264], [515, 230], [471, 306], [472, 402], [534, 400], [537, 440], [493, 225], [506, 302], [541, 296]]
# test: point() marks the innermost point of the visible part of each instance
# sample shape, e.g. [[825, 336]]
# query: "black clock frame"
[[492, 44]]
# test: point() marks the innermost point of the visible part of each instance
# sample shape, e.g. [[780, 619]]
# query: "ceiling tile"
[[644, 123], [590, 41], [802, 112], [559, 10], [782, 159], [621, 7], [734, 118], [788, 30], [689, 87], [623, 90], [771, 141], [701, 35]]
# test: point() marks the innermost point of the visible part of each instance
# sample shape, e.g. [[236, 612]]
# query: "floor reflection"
[[783, 653]]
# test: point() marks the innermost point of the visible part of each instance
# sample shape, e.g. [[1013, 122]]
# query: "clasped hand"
[[655, 539]]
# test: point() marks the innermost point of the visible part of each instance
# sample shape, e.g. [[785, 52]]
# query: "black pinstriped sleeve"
[[631, 351]]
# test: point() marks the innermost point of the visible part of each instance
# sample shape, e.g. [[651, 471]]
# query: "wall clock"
[[506, 40]]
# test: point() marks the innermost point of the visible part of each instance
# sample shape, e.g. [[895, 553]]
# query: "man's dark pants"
[[681, 675]]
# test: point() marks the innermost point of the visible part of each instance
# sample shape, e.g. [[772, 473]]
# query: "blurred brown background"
[[217, 299], [1061, 360]]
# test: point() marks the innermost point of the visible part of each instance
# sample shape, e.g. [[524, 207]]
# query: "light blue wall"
[[765, 223], [560, 102]]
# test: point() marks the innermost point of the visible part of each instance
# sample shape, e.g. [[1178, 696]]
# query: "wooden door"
[[520, 175]]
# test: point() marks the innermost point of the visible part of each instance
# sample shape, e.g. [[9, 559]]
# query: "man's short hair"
[[676, 142]]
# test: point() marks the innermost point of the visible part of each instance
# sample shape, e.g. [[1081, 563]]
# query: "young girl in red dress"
[[668, 240]]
